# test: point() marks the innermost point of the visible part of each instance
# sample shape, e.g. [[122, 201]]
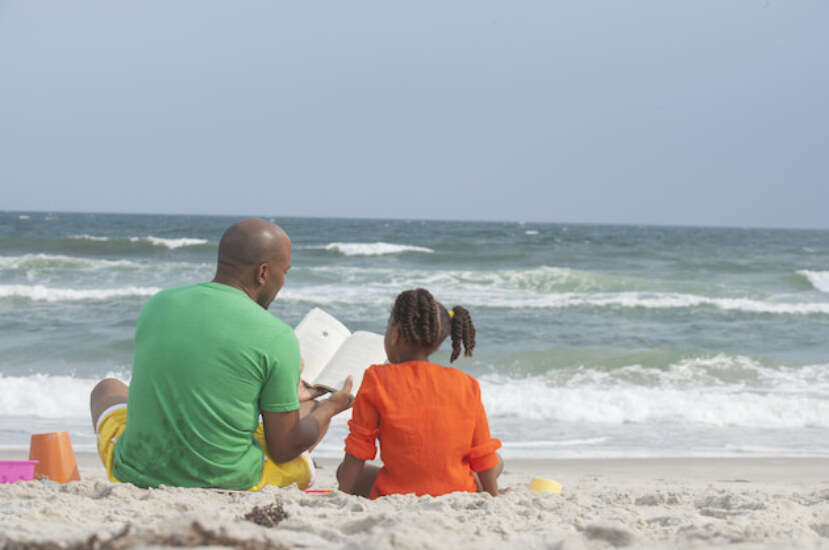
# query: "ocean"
[[593, 340]]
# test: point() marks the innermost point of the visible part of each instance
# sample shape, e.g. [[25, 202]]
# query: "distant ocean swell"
[[381, 296], [495, 299], [537, 288], [543, 278]]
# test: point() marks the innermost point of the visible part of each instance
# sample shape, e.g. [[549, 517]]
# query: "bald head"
[[254, 255]]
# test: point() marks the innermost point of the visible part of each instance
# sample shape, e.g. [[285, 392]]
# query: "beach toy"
[[542, 484], [56, 460], [16, 470], [318, 491]]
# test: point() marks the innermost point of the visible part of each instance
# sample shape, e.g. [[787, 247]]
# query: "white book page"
[[357, 354], [320, 336]]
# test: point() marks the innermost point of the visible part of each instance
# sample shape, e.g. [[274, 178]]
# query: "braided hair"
[[424, 322]]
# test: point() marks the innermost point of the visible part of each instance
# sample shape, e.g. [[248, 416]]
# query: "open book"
[[332, 353]]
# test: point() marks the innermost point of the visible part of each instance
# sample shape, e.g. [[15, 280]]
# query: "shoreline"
[[801, 470], [649, 503]]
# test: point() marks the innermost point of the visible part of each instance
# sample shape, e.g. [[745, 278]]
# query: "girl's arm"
[[488, 479], [348, 474]]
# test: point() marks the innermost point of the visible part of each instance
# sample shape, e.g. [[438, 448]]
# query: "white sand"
[[664, 503]]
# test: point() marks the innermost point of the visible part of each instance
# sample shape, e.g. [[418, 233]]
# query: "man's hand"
[[305, 391], [342, 399], [288, 433]]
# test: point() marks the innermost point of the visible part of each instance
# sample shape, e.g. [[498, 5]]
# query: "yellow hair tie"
[[451, 313]]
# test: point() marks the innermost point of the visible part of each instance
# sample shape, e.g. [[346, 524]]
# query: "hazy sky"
[[693, 112]]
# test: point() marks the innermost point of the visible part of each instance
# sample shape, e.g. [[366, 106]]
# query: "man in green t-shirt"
[[209, 359]]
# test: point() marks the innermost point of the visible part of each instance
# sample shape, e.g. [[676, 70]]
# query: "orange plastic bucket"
[[56, 460]]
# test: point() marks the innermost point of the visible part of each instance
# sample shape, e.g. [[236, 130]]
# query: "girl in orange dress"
[[430, 422]]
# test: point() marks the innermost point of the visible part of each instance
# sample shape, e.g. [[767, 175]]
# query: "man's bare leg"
[[105, 394]]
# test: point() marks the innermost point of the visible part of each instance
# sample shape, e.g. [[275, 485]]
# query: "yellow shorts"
[[299, 470]]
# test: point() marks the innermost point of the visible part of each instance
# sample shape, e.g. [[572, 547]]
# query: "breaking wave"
[[171, 244], [369, 249], [818, 279]]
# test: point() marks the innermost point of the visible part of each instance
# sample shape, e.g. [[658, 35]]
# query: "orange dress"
[[431, 425]]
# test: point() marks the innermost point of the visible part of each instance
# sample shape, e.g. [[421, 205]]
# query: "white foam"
[[171, 243], [23, 217], [531, 232], [41, 293], [86, 237], [370, 249], [818, 279]]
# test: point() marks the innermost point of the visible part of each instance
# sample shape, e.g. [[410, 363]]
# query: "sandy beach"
[[633, 503]]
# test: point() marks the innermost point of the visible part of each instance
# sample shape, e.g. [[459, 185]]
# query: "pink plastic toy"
[[17, 470]]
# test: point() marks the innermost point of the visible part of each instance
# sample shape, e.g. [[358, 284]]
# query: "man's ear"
[[262, 273]]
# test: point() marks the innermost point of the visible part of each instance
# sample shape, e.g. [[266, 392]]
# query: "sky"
[[662, 112]]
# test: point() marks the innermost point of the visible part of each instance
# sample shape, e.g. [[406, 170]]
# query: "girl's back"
[[429, 419], [431, 426]]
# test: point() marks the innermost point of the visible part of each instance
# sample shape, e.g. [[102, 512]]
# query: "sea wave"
[[543, 279], [638, 405], [52, 261], [818, 279], [718, 391], [717, 371], [155, 241], [47, 262], [381, 293], [170, 243], [645, 300], [368, 249], [690, 394], [41, 293], [46, 396]]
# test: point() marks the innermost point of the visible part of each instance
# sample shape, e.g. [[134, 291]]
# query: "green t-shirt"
[[207, 359]]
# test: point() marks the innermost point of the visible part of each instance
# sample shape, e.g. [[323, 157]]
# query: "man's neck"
[[235, 283]]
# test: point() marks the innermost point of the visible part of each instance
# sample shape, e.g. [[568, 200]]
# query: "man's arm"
[[289, 434]]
